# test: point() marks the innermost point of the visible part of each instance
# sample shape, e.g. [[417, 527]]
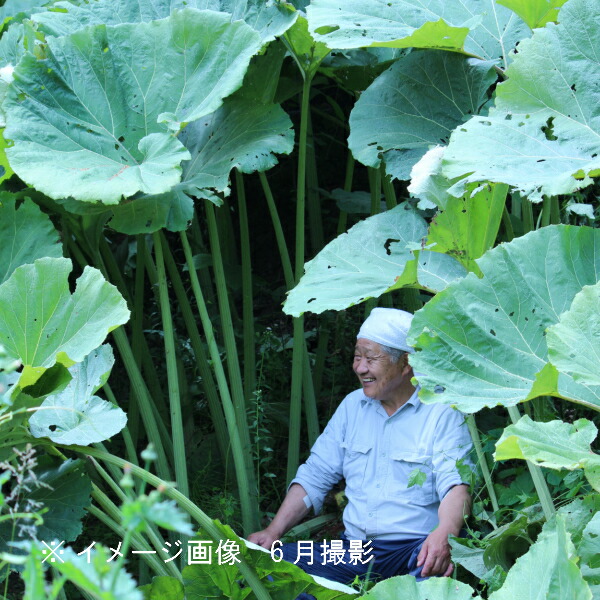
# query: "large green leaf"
[[365, 262], [543, 135], [75, 415], [574, 342], [242, 134], [560, 576], [536, 13], [482, 341], [484, 29], [408, 588], [268, 17], [26, 233], [555, 444], [415, 104], [40, 318], [92, 120]]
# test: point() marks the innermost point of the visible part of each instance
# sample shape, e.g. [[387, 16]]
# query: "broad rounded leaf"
[[26, 233], [436, 271], [40, 318], [574, 342], [482, 341], [75, 415], [92, 120], [484, 29], [560, 576], [362, 263], [268, 17], [415, 104], [543, 136], [556, 445], [536, 13], [408, 588]]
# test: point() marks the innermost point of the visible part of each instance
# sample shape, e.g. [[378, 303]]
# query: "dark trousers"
[[391, 557]]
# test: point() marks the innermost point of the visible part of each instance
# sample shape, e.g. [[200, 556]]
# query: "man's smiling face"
[[380, 378]]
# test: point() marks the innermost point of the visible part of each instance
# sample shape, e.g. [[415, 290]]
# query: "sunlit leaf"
[[26, 233], [308, 52], [40, 318], [92, 119], [163, 588], [416, 104], [574, 342], [75, 415], [543, 135], [555, 444], [482, 341], [484, 29], [536, 13]]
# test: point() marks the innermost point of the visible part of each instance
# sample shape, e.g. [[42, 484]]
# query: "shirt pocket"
[[356, 457], [405, 465]]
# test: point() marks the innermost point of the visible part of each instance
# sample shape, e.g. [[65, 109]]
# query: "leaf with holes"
[[482, 342], [42, 322], [416, 104], [26, 234], [75, 415], [94, 119], [483, 29], [543, 136], [375, 256]]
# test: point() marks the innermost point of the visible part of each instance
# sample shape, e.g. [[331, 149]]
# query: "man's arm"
[[292, 511], [435, 552]]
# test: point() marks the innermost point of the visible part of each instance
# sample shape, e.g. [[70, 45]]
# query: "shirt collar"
[[413, 400]]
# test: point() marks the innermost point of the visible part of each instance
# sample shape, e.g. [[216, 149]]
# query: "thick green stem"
[[555, 211], [537, 475], [129, 445], [388, 190], [244, 475], [546, 210], [485, 471], [293, 459], [172, 375], [527, 215], [186, 504], [508, 228], [313, 201], [202, 362], [247, 300], [343, 218]]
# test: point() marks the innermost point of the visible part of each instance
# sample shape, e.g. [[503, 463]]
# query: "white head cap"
[[387, 326]]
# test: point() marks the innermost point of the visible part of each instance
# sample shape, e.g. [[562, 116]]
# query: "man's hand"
[[264, 538], [435, 555]]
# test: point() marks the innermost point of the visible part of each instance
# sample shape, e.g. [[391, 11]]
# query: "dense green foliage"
[[141, 327]]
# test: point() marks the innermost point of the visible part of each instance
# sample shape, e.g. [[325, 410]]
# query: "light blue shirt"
[[376, 455]]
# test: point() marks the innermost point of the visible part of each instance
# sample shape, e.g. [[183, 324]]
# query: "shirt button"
[[370, 514], [378, 485], [383, 454]]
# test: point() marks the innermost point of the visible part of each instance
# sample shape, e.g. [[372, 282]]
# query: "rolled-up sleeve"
[[452, 446], [323, 469]]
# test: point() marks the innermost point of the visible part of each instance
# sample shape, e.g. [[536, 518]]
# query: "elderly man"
[[399, 459]]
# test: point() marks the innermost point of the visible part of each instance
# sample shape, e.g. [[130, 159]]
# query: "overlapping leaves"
[[483, 341], [92, 119], [543, 135]]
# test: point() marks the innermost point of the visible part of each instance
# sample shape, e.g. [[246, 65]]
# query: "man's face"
[[379, 376]]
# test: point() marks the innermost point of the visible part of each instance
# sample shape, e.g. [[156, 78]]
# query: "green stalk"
[[536, 474], [129, 445], [546, 210], [248, 306], [186, 504], [310, 406], [313, 203], [485, 471], [388, 189], [343, 218], [202, 362], [554, 211], [244, 475], [172, 376], [293, 459], [527, 211], [508, 228], [146, 404]]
